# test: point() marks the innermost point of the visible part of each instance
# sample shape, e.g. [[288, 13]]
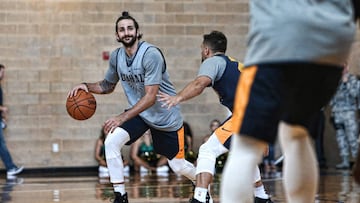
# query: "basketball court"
[[335, 186]]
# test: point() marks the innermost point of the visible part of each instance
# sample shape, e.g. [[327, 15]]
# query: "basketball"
[[82, 106]]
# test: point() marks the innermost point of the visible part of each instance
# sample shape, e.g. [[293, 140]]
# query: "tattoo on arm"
[[107, 87]]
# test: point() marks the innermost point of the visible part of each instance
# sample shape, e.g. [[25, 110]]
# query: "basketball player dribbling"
[[141, 69]]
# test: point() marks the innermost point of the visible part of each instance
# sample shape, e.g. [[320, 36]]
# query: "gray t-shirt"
[[146, 67], [297, 30], [213, 68]]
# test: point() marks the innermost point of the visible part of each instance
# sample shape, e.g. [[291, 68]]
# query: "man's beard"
[[128, 44]]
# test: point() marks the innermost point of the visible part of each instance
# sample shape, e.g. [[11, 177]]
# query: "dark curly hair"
[[216, 41], [126, 15]]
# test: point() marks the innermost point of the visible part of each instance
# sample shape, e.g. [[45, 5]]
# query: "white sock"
[[200, 194], [119, 188], [260, 192]]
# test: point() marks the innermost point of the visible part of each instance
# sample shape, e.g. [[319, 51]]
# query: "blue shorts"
[[291, 92], [169, 144]]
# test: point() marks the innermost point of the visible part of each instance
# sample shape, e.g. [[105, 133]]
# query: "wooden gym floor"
[[335, 186]]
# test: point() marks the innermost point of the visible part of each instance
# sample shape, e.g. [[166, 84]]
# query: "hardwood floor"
[[335, 186]]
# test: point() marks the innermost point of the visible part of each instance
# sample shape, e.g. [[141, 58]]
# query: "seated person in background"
[[215, 123], [145, 158], [100, 156]]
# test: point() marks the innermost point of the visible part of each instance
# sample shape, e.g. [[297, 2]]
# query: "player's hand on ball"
[[74, 91], [82, 105]]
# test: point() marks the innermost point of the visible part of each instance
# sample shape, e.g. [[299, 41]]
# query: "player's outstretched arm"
[[168, 101], [193, 89]]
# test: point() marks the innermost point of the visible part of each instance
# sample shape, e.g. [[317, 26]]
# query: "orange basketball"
[[82, 106]]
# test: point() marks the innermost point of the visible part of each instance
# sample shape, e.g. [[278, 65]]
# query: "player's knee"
[[206, 159], [178, 165], [114, 141], [206, 152], [183, 167]]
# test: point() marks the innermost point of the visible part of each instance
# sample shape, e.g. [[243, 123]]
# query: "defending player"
[[222, 73]]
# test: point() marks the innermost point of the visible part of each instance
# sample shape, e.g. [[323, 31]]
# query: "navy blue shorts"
[[169, 144], [270, 93]]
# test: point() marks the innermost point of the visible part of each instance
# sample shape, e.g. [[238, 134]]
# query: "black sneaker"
[[193, 200], [208, 199], [259, 200], [120, 198]]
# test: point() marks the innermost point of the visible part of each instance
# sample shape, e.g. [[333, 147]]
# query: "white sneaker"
[[104, 175], [126, 169], [143, 169], [162, 169], [103, 169], [15, 171]]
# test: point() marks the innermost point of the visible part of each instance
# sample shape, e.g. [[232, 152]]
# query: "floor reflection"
[[334, 186], [7, 188]]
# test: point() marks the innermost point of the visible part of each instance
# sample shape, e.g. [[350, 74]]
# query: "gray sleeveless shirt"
[[146, 67]]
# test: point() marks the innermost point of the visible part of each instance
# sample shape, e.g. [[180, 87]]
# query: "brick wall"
[[48, 46]]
